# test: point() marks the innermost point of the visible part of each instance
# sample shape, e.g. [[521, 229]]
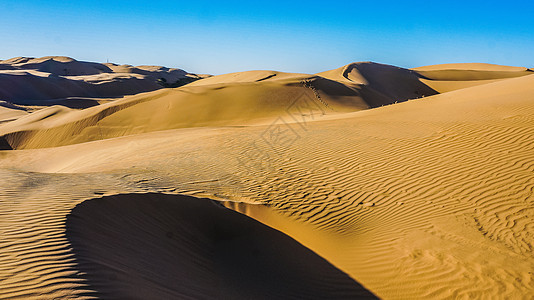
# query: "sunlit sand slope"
[[174, 247], [449, 77], [225, 100], [9, 113], [429, 198]]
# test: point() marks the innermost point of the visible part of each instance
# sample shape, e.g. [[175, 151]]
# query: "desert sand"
[[366, 181]]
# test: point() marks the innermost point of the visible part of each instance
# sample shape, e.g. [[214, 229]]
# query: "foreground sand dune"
[[211, 251], [429, 198]]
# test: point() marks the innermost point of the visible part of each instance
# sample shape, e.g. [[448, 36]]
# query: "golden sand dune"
[[197, 249], [429, 198], [392, 82], [469, 67], [247, 77], [226, 100], [28, 81], [449, 77], [9, 112]]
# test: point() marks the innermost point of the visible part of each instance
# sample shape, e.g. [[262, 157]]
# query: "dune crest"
[[246, 98], [29, 81], [427, 198], [395, 83], [450, 77], [241, 258]]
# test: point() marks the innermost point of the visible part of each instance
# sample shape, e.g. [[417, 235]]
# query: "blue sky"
[[297, 36]]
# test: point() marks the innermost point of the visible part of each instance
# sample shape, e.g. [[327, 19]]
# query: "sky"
[[212, 37]]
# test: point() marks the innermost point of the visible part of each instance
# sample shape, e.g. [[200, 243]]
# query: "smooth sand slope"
[[226, 100], [10, 113], [449, 77], [429, 198]]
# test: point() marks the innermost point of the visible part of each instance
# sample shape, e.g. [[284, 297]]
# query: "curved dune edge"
[[9, 113], [157, 246], [450, 77], [63, 80], [245, 98], [471, 67], [425, 199], [210, 105]]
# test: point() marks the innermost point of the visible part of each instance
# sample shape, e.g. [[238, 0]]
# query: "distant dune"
[[449, 77], [232, 99], [9, 112], [394, 83], [364, 181], [66, 81]]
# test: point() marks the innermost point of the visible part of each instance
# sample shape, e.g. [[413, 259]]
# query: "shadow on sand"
[[158, 246]]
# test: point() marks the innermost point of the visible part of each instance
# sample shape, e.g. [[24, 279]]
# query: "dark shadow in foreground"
[[157, 246], [4, 145]]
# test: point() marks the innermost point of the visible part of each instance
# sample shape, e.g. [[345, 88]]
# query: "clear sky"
[[293, 36]]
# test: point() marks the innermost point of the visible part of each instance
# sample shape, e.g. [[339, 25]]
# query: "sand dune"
[[395, 83], [449, 77], [9, 112], [430, 198], [28, 81], [469, 67], [225, 100], [240, 258]]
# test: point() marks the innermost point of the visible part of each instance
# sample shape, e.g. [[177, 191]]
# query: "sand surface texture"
[[360, 182]]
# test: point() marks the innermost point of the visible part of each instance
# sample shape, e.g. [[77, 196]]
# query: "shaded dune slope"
[[426, 199], [394, 83], [9, 112], [156, 246], [29, 81], [239, 99]]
